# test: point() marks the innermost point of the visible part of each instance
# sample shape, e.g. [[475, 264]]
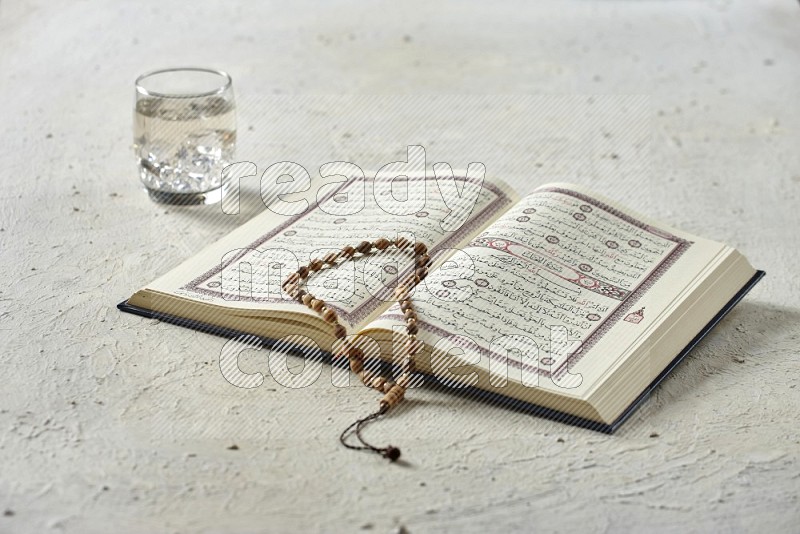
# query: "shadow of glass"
[[212, 220]]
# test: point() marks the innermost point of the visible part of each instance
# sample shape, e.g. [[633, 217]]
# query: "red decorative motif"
[[635, 317]]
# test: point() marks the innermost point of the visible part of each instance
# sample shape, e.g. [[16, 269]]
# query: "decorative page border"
[[681, 245], [500, 201]]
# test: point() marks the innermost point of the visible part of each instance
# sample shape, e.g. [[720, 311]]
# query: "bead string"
[[393, 391]]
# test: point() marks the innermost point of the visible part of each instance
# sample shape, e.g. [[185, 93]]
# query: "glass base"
[[186, 199]]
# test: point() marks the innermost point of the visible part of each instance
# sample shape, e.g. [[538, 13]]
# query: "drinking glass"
[[184, 134]]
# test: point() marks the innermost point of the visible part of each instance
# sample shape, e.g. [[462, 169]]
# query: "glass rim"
[[147, 92]]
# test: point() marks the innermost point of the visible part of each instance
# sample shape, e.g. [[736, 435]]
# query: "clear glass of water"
[[184, 134]]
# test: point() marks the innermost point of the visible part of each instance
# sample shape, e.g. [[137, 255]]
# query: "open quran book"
[[562, 301]]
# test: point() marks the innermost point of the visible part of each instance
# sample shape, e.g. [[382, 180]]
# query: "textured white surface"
[[109, 422]]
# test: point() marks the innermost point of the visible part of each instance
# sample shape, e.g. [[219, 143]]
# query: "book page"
[[245, 269], [548, 281]]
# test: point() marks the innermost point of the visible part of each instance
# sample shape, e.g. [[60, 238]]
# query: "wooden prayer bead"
[[421, 272], [315, 264], [329, 316], [355, 353], [394, 396], [401, 292], [293, 279], [382, 243], [423, 260], [342, 348], [317, 304], [405, 305], [339, 332], [412, 280], [401, 243], [348, 252], [420, 249], [331, 258], [307, 298], [303, 271], [412, 328], [366, 377], [292, 289], [378, 382], [364, 247], [356, 366], [404, 381], [410, 314]]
